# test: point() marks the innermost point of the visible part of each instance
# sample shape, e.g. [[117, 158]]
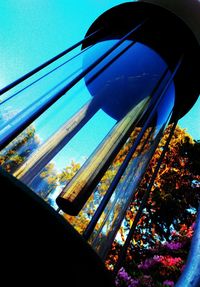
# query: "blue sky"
[[191, 121], [32, 31]]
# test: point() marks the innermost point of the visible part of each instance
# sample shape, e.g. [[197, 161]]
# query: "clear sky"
[[32, 31], [191, 121]]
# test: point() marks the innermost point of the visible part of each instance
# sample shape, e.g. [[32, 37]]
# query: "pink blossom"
[[167, 260], [158, 258], [148, 263], [133, 283], [168, 283], [170, 261], [173, 245], [123, 276], [190, 232]]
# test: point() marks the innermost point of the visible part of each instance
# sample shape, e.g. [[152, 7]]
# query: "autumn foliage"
[[160, 245], [159, 248]]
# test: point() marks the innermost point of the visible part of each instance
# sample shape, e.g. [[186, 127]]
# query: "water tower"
[[142, 73]]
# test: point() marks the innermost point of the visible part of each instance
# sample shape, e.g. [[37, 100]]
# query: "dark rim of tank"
[[164, 32]]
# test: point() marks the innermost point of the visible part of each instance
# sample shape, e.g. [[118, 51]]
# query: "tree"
[[68, 173], [19, 149], [46, 182], [81, 221], [162, 237], [161, 241]]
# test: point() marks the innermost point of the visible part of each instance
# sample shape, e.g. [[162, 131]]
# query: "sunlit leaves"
[[19, 150], [68, 173], [167, 224]]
